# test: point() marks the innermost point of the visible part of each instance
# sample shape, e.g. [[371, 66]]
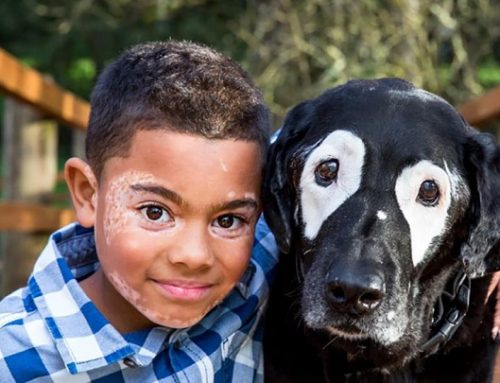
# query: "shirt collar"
[[82, 335]]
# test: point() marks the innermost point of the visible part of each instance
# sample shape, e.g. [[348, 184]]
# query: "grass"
[[489, 74]]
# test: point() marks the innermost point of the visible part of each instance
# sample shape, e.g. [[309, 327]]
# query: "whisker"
[[330, 342]]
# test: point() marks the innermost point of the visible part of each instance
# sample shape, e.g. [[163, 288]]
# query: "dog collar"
[[456, 304]]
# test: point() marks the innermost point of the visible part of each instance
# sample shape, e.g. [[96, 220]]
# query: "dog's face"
[[381, 190]]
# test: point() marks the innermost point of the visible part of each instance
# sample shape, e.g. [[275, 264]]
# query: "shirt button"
[[130, 362]]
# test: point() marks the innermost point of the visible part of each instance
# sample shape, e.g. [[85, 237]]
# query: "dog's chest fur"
[[376, 193]]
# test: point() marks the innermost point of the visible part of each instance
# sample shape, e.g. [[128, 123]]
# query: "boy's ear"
[[82, 185]]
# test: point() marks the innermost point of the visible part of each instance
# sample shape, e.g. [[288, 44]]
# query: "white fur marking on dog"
[[421, 94], [318, 202], [459, 188], [381, 215], [425, 222], [391, 315]]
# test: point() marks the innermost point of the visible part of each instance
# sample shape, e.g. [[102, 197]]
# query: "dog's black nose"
[[355, 294]]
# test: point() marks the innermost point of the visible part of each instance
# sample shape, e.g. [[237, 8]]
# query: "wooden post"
[[78, 144], [483, 109], [30, 163]]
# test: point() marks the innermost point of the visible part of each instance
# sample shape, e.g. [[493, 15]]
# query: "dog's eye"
[[428, 193], [326, 172]]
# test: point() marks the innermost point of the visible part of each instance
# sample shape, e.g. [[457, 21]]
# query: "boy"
[[154, 283]]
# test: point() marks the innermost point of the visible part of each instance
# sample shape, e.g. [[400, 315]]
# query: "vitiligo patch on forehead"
[[223, 165], [250, 195], [319, 202]]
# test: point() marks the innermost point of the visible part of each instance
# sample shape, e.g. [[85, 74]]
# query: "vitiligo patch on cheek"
[[145, 308], [141, 305], [117, 214], [125, 290]]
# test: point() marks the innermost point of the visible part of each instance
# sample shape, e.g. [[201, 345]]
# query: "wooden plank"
[[33, 218], [28, 85], [483, 109]]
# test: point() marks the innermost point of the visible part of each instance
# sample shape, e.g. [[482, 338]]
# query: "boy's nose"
[[192, 249]]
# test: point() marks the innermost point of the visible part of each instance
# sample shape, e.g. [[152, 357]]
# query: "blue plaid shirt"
[[51, 332]]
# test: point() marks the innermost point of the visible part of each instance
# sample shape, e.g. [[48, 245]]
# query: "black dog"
[[386, 205]]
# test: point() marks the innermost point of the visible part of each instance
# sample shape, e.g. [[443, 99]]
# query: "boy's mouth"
[[184, 290]]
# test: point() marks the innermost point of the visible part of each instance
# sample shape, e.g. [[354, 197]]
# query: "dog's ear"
[[481, 252], [279, 193]]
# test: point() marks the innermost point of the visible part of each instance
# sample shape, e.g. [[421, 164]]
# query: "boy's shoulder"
[[24, 333], [15, 308]]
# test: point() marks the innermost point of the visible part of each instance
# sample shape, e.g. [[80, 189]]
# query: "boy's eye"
[[155, 213], [228, 222]]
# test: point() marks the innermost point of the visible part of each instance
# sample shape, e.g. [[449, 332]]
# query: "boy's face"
[[174, 224]]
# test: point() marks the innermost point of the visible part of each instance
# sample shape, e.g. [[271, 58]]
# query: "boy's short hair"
[[177, 86]]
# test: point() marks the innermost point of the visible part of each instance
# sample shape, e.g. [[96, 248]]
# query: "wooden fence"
[[49, 101], [34, 106], [482, 110]]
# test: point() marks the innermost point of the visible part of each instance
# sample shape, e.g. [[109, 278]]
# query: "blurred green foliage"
[[489, 74], [298, 48], [72, 40], [293, 48]]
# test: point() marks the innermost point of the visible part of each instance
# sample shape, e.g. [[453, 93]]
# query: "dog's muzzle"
[[355, 293]]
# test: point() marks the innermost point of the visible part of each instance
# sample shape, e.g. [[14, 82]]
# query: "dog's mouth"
[[382, 329], [363, 349], [348, 332]]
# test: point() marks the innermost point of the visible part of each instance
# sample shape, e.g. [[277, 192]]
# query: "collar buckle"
[[445, 325]]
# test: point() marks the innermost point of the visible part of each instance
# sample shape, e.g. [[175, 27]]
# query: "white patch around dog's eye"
[[423, 195], [332, 173]]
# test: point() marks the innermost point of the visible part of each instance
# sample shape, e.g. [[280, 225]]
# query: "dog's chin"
[[363, 347]]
